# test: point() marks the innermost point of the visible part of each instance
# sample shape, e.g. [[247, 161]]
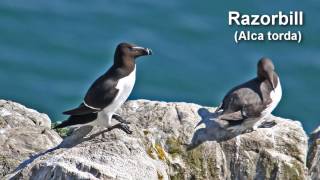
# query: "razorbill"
[[254, 99], [109, 91]]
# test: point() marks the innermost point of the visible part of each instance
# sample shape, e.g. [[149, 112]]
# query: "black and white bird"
[[109, 91], [254, 99]]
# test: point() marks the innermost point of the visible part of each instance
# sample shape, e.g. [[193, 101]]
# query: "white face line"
[[138, 48]]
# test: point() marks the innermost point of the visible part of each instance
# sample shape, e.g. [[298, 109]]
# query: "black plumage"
[[103, 91], [251, 98]]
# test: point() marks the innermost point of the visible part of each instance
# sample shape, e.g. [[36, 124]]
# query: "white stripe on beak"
[[138, 48], [149, 51]]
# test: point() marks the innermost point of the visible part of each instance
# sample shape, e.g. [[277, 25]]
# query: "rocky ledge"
[[23, 133], [165, 144], [313, 161]]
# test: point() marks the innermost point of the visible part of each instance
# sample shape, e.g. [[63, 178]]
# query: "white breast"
[[275, 95], [125, 86]]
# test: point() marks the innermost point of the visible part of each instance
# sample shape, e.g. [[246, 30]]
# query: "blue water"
[[51, 51]]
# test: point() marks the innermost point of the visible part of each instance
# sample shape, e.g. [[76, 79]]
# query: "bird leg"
[[267, 124], [120, 119], [123, 127]]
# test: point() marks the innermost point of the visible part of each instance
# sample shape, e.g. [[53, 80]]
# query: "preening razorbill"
[[256, 98]]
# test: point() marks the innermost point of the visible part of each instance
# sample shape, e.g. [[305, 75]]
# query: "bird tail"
[[77, 120], [82, 110]]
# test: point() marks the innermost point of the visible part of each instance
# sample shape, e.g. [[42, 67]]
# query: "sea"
[[51, 51]]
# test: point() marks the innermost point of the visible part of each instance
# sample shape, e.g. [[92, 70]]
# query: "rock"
[[166, 144], [23, 132], [313, 161], [16, 115]]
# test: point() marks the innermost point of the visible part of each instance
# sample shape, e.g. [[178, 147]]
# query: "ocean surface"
[[51, 51]]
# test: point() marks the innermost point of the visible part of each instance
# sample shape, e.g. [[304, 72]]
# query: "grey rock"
[[16, 115], [313, 161], [166, 144], [23, 133]]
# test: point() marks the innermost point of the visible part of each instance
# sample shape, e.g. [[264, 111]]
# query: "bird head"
[[131, 51], [266, 71]]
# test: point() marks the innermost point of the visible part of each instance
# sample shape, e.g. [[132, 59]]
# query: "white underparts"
[[275, 96], [125, 86]]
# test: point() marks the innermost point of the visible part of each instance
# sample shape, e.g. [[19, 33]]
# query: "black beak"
[[149, 51], [270, 79], [143, 51]]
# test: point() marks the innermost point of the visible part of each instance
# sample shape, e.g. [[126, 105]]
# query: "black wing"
[[234, 116], [73, 120], [101, 94], [81, 110], [242, 102], [231, 108]]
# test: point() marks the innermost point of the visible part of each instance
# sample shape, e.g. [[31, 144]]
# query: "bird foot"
[[240, 129], [267, 124], [123, 127], [120, 119], [234, 129]]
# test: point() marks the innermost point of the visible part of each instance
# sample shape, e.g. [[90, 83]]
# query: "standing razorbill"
[[109, 91], [256, 98]]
